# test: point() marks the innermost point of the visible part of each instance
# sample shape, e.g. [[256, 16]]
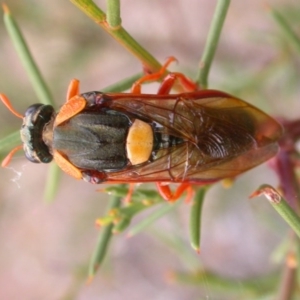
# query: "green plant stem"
[[227, 286], [195, 218], [289, 33], [34, 74], [103, 240], [52, 182], [212, 42], [113, 13], [10, 141], [147, 221], [280, 205], [118, 33], [122, 85]]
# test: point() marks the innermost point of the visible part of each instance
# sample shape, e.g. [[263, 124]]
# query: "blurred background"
[[45, 248]]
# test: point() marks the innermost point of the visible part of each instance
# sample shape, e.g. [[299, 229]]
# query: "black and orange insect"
[[197, 137]]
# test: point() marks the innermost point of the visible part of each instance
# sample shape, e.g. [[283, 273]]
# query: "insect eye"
[[30, 157], [40, 154], [32, 109]]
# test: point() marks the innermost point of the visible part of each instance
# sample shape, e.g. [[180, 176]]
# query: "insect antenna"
[[7, 103], [7, 159]]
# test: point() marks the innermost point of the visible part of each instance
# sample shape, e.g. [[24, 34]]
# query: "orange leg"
[[73, 89], [136, 87], [167, 194], [73, 104], [167, 84], [163, 189], [187, 84], [168, 81], [127, 198]]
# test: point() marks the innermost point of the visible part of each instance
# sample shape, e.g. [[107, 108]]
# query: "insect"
[[196, 137]]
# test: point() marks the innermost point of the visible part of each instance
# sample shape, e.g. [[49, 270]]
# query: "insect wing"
[[199, 115], [182, 165], [225, 136]]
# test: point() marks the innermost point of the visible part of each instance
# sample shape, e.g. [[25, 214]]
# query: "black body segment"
[[94, 140]]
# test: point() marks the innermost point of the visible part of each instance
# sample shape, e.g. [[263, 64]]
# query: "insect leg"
[[187, 84], [167, 84], [136, 87], [167, 194], [73, 89], [127, 198], [169, 81], [73, 105]]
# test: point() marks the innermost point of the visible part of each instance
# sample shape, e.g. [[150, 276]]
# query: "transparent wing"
[[201, 115], [224, 136], [182, 165]]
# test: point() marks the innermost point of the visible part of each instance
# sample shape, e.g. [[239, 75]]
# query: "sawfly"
[[191, 138]]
